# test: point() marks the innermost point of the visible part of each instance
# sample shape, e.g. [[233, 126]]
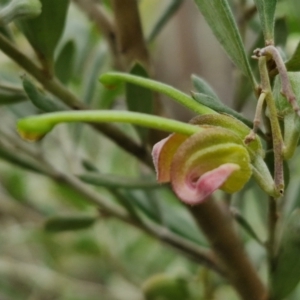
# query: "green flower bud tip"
[[29, 130], [20, 9]]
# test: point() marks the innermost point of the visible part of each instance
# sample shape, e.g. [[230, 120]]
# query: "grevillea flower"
[[215, 158]]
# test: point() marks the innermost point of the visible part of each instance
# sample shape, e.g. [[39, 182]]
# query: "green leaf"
[[165, 16], [218, 106], [69, 223], [44, 32], [38, 99], [220, 19], [64, 62], [293, 64], [114, 181], [164, 287], [281, 32], [286, 274], [266, 10], [201, 86], [139, 99]]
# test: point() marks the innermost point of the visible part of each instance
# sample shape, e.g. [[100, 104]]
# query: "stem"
[[111, 79], [103, 23], [57, 89], [217, 226], [129, 33], [256, 122], [37, 126], [271, 243], [275, 127], [286, 88]]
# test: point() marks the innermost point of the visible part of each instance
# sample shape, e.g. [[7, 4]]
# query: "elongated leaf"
[[44, 32], [113, 181], [139, 99], [201, 86], [266, 10], [64, 62], [69, 223], [293, 64], [287, 270], [216, 105], [164, 18], [38, 99], [220, 19]]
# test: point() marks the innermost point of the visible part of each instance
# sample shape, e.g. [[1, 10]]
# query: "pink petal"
[[162, 154], [195, 192], [156, 151]]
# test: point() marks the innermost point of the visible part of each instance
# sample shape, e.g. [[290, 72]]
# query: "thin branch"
[[104, 24], [217, 226], [130, 39]]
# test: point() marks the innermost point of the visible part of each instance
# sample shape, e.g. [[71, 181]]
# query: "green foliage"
[[50, 24], [226, 31], [82, 213], [266, 9]]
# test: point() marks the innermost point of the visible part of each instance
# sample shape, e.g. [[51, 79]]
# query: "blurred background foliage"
[[54, 244]]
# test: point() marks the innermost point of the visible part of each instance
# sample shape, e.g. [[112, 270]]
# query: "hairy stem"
[[275, 127]]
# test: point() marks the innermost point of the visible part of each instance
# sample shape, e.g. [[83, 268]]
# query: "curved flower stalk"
[[215, 158]]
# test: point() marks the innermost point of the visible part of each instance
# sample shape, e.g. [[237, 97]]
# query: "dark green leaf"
[[69, 223], [220, 19], [220, 107], [281, 32], [266, 10], [286, 274], [293, 64], [139, 99], [202, 87], [64, 62], [44, 32], [38, 99]]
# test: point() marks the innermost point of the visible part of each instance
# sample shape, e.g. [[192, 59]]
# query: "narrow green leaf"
[[38, 99], [281, 32], [293, 64], [165, 16], [245, 225], [64, 62], [266, 10], [69, 223], [44, 32], [201, 86], [114, 181], [221, 21], [218, 106], [286, 274], [139, 99]]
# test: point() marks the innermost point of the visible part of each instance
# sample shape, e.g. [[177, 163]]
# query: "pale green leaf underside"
[[293, 64], [221, 21], [266, 10]]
